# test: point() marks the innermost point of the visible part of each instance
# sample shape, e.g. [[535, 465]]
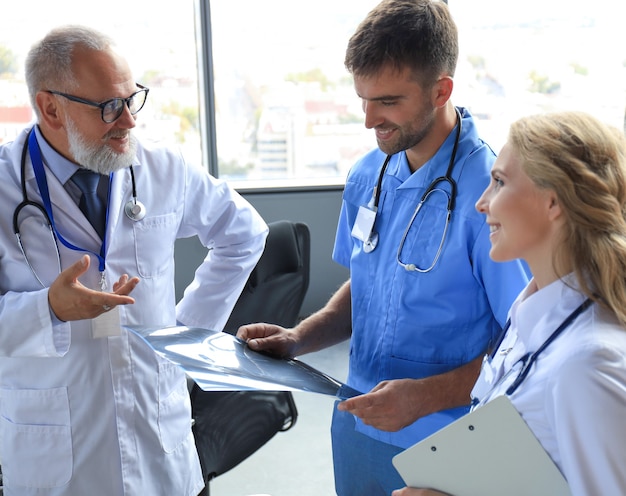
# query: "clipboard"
[[488, 452]]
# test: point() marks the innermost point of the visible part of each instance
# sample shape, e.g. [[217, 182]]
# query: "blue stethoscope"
[[529, 359], [371, 242], [134, 209]]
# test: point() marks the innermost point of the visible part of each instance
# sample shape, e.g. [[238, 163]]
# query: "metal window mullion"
[[206, 88]]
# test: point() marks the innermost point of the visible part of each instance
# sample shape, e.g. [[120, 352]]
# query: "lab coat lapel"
[[69, 221], [120, 184]]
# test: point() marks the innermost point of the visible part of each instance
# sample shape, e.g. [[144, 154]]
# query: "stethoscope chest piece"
[[371, 243], [135, 210]]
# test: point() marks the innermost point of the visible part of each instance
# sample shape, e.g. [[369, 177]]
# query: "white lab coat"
[[574, 397], [108, 416]]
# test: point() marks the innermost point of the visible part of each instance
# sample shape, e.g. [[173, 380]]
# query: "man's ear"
[[442, 90], [50, 110]]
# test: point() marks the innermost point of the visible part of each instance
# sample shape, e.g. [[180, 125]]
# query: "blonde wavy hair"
[[584, 162]]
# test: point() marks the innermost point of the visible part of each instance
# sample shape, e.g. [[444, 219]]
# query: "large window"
[[282, 109], [285, 105], [156, 36], [286, 108], [533, 56]]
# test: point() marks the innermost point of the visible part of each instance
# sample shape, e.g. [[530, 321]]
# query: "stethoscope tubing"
[[134, 209], [447, 177], [370, 244], [530, 358]]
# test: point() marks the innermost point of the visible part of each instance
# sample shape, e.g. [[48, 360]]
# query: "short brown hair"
[[419, 34]]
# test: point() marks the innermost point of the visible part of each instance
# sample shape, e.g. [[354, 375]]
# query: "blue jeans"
[[362, 465]]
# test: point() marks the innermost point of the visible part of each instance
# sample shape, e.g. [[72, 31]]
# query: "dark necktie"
[[91, 204]]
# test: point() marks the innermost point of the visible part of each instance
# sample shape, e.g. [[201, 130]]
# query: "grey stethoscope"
[[371, 243], [134, 209]]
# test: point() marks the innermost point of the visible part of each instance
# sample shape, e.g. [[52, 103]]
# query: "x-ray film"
[[218, 361]]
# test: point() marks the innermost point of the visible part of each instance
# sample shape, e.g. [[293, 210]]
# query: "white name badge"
[[106, 324], [364, 224]]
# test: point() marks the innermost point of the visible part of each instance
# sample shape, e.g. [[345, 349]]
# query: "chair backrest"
[[278, 284], [229, 426]]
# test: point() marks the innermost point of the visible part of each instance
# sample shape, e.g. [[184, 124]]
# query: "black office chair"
[[229, 426]]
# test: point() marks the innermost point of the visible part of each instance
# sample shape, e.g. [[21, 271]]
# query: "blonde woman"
[[557, 199]]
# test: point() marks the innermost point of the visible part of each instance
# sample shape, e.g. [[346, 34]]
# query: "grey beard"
[[101, 159]]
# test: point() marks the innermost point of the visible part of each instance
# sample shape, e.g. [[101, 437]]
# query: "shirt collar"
[[61, 167], [535, 314], [437, 165]]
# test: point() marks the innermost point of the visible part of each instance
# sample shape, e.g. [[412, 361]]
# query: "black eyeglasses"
[[113, 108]]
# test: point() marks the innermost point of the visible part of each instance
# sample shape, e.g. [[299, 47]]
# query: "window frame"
[[206, 80]]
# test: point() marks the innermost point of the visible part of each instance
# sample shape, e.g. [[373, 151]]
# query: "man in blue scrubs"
[[424, 299]]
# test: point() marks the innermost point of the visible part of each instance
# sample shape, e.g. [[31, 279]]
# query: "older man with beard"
[[86, 406]]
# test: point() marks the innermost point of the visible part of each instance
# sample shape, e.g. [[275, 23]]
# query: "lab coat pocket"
[[154, 244], [174, 407], [36, 440]]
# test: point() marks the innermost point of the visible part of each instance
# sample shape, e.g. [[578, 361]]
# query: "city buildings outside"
[[286, 109]]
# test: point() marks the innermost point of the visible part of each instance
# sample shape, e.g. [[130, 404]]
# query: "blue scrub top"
[[411, 324]]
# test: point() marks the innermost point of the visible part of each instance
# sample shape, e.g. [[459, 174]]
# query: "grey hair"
[[49, 61]]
